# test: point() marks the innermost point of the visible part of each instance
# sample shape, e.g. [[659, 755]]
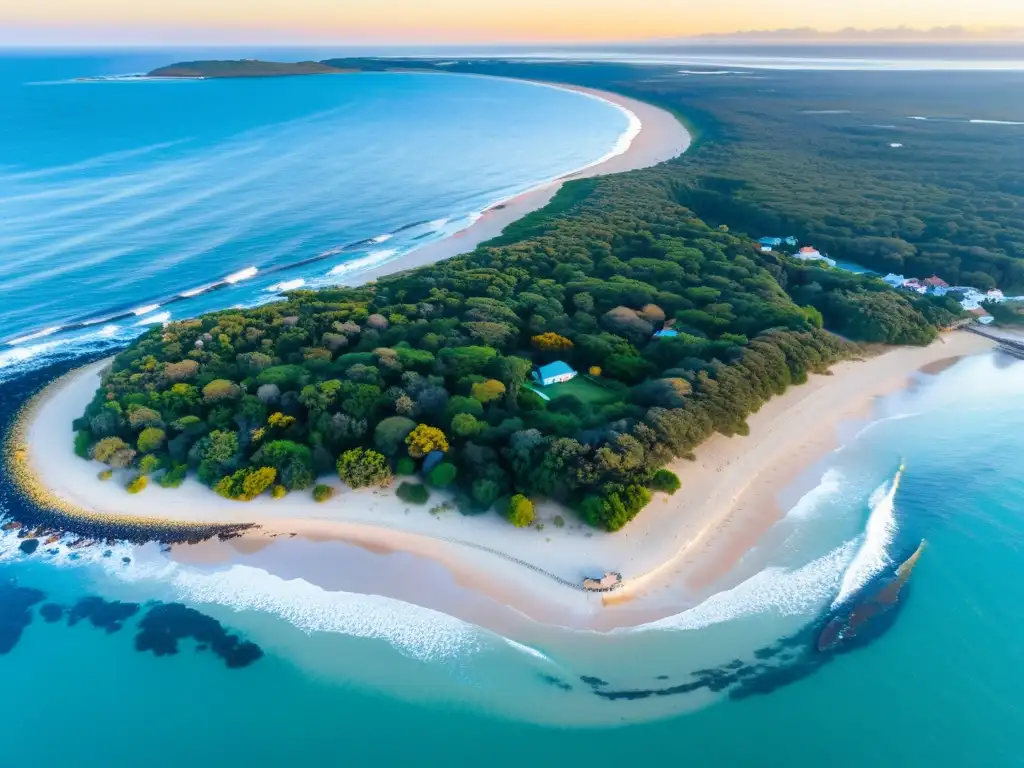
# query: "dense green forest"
[[425, 375], [809, 154]]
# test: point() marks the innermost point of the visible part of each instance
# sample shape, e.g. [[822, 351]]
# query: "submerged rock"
[[28, 546]]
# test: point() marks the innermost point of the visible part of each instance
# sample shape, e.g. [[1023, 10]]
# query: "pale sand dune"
[[675, 549]]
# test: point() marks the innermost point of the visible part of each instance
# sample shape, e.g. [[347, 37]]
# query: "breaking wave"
[[782, 591], [873, 553], [827, 489]]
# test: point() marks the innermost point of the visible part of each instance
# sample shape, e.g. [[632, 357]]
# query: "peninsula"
[[244, 68]]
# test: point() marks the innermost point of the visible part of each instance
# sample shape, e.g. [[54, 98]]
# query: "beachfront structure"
[[791, 241], [555, 373], [935, 282], [896, 281], [606, 583], [807, 253], [995, 295], [766, 249], [770, 242]]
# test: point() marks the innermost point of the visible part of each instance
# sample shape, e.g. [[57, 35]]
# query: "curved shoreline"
[[672, 556], [659, 137]]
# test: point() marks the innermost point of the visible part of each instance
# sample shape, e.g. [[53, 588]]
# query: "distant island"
[[244, 68]]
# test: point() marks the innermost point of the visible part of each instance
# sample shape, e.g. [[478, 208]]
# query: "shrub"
[[220, 390], [113, 451], [559, 521], [322, 493], [425, 439], [293, 462], [442, 475], [105, 474], [151, 439], [413, 493], [466, 425], [391, 433], [520, 511], [551, 342], [613, 510], [362, 467], [149, 464], [83, 442], [141, 416], [246, 484], [405, 466], [175, 476], [665, 482], [485, 492], [488, 390], [182, 371], [278, 491], [138, 484]]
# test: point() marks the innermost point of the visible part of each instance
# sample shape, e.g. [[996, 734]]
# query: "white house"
[[896, 281], [555, 373]]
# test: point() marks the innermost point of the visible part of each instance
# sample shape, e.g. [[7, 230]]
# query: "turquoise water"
[[114, 654], [341, 673]]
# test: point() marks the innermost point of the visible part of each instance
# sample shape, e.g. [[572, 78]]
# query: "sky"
[[467, 21]]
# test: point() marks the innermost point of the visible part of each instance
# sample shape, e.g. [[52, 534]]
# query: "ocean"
[[126, 202], [115, 653]]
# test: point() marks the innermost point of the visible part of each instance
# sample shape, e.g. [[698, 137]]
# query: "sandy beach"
[[661, 137], [678, 549]]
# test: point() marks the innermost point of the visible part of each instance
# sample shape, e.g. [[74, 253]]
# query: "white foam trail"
[[995, 122], [810, 502], [915, 117], [108, 330], [287, 285], [528, 650], [33, 336], [240, 275], [711, 72], [780, 591], [196, 291], [827, 112], [381, 238], [897, 417], [145, 310], [873, 554], [357, 265], [159, 317], [437, 224]]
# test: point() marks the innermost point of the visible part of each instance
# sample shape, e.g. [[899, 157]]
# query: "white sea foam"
[[780, 591], [873, 553], [827, 489], [896, 417], [196, 291], [33, 336], [159, 317], [140, 311], [711, 72], [827, 112], [528, 650], [996, 122], [287, 285], [240, 275], [382, 238], [437, 224], [358, 265]]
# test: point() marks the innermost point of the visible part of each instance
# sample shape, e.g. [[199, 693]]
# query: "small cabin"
[[554, 373], [606, 583]]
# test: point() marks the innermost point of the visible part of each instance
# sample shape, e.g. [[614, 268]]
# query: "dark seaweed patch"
[[165, 625], [109, 615], [594, 682], [51, 612], [16, 612], [556, 682]]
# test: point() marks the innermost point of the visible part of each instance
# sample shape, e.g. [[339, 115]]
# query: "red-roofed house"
[[935, 282]]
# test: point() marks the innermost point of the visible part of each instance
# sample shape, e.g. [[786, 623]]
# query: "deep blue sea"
[[114, 654], [122, 200]]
